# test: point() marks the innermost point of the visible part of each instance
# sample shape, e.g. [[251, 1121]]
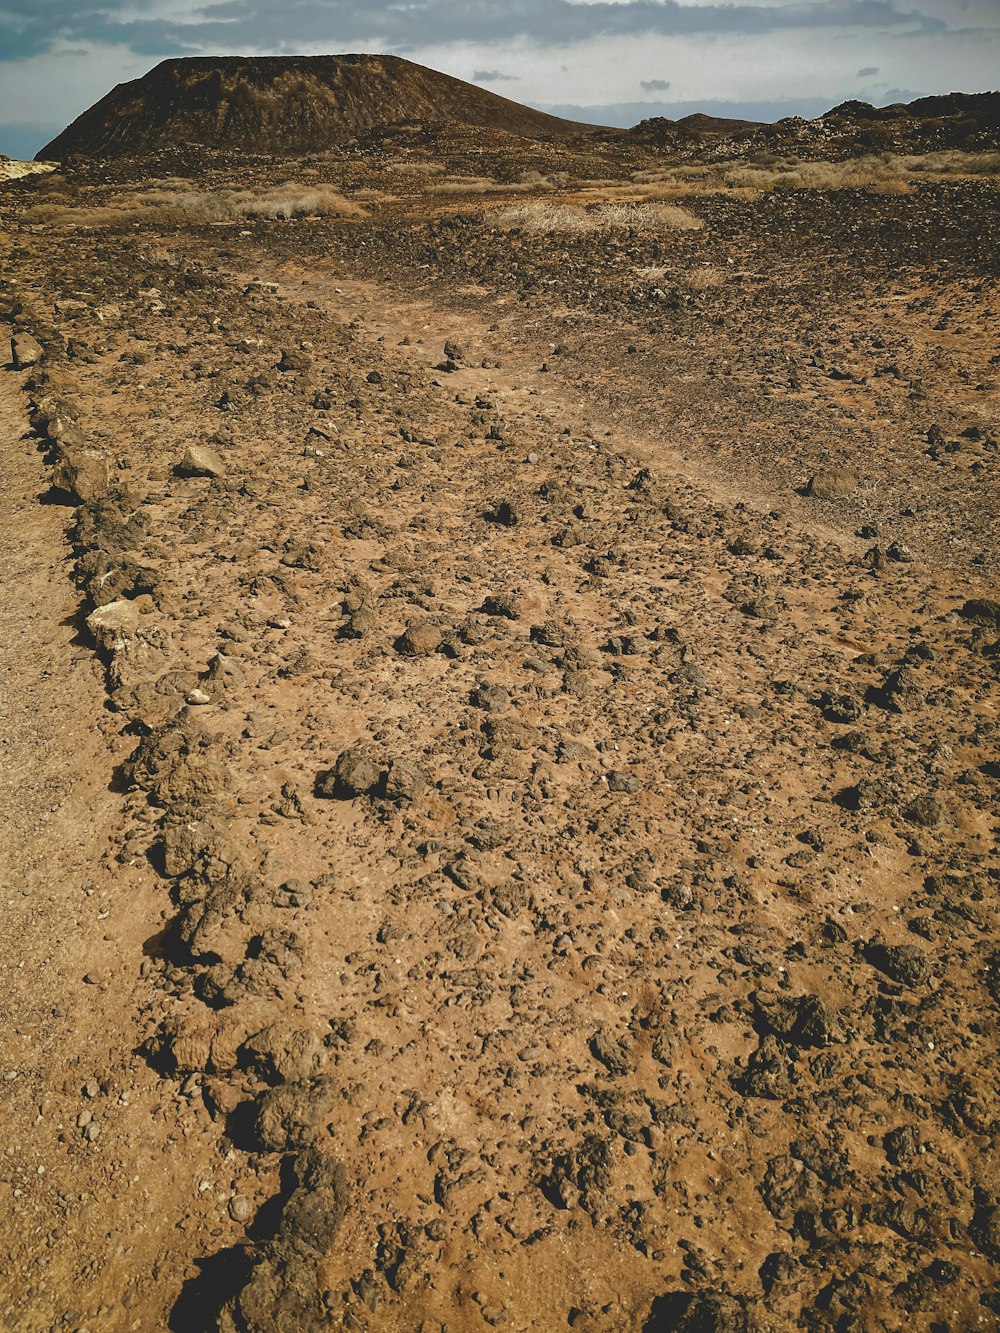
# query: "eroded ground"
[[549, 859]]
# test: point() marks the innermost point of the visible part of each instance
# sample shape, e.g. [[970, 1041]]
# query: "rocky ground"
[[500, 764]]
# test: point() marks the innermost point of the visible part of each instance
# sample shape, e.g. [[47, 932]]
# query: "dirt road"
[[488, 876]]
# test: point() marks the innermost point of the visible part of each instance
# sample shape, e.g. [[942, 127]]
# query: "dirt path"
[[88, 1214], [528, 910]]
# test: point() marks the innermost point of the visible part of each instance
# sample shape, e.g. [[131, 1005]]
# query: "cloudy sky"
[[610, 63]]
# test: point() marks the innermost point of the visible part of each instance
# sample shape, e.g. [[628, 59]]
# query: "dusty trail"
[[89, 1216], [586, 965]]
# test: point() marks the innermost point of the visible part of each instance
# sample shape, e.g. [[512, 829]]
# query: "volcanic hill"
[[284, 106]]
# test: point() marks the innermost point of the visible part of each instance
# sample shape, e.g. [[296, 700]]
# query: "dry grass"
[[554, 180], [452, 184], [418, 168], [530, 180], [468, 185], [648, 215], [60, 213], [952, 163], [704, 278], [285, 201], [864, 173], [885, 173], [544, 217], [174, 202]]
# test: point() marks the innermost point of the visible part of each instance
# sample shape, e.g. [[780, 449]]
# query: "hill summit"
[[284, 106]]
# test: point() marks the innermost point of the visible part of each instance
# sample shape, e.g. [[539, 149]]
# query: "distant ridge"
[[968, 121], [981, 109], [284, 106]]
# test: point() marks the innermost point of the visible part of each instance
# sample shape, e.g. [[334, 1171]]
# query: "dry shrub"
[[168, 183], [167, 207], [882, 173], [466, 184], [697, 279], [886, 173], [487, 185], [553, 181], [952, 163], [418, 168], [57, 214], [703, 279], [863, 173], [544, 217], [288, 200], [644, 216]]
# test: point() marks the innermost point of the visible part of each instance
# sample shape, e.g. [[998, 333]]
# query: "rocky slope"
[[283, 106], [549, 873]]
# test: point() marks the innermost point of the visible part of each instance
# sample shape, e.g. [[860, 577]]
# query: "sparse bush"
[[704, 279], [418, 168], [643, 216], [281, 201], [884, 173], [540, 181], [545, 217], [165, 207], [468, 184]]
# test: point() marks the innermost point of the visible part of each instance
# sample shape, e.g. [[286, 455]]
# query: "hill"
[[284, 106]]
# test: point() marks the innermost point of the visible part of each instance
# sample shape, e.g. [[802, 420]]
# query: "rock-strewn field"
[[517, 845]]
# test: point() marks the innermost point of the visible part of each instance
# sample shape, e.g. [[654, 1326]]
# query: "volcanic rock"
[[283, 106]]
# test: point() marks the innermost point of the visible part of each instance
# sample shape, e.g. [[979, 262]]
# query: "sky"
[[610, 62]]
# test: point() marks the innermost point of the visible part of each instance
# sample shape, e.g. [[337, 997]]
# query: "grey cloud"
[[492, 76], [338, 24], [868, 71], [654, 85]]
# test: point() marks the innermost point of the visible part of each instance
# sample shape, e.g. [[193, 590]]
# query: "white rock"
[[201, 461], [25, 351], [113, 625]]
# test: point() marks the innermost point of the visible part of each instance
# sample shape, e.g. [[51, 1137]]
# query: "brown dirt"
[[635, 969]]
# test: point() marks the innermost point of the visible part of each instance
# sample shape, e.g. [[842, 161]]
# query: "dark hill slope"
[[283, 106]]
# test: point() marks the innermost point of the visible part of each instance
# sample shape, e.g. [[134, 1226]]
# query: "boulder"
[[832, 483], [294, 360], [184, 842], [25, 351], [282, 1053], [201, 461], [281, 1295], [906, 964], [114, 624], [224, 674], [419, 639], [983, 610], [404, 781], [85, 474], [201, 1042], [318, 1203], [289, 1116], [354, 774]]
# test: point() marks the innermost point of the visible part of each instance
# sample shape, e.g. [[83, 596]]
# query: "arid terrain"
[[498, 797]]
